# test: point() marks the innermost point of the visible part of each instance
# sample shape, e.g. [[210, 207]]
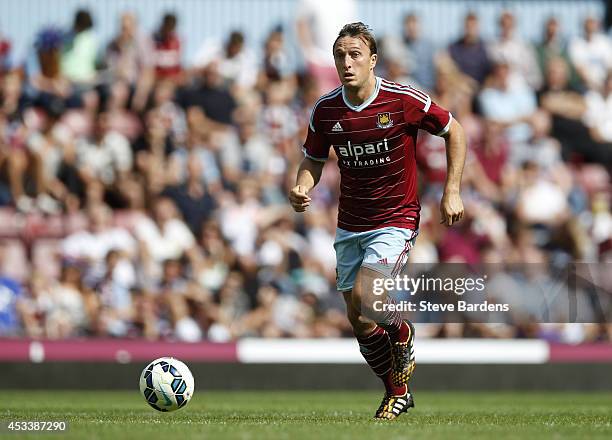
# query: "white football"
[[166, 384]]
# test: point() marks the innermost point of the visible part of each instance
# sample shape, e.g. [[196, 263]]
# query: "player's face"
[[354, 62]]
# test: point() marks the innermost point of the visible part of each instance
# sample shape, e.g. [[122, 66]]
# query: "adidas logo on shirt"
[[337, 127]]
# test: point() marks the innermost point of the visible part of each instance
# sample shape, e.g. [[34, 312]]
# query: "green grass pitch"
[[313, 415]]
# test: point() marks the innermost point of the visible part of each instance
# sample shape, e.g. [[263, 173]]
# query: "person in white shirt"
[[236, 63], [518, 54], [106, 155], [92, 245], [591, 54], [317, 24], [598, 114], [165, 236]]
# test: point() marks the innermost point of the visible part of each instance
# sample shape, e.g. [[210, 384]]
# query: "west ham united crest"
[[383, 120]]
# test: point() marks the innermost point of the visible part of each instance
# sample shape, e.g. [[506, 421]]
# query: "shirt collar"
[[365, 103]]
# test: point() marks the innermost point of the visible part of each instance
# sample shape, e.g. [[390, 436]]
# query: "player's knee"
[[361, 324], [353, 316], [364, 302]]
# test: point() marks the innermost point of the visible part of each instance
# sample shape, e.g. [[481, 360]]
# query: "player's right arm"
[[308, 176], [316, 151]]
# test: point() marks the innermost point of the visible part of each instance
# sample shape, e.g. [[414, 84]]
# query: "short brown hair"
[[359, 30]]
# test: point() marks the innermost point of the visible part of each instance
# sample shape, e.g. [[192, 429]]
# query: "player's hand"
[[299, 199], [451, 208]]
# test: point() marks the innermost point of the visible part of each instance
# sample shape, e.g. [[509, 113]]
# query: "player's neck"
[[358, 95]]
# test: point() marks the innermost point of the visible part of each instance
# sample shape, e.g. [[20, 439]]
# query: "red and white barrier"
[[300, 351], [112, 350]]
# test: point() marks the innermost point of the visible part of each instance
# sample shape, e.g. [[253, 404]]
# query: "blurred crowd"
[[144, 195]]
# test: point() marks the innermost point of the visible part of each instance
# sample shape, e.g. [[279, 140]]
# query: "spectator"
[[488, 173], [420, 52], [175, 291], [196, 149], [233, 304], [129, 58], [395, 62], [152, 149], [558, 95], [541, 149], [91, 247], [5, 55], [74, 307], [235, 63], [455, 90], [120, 118], [462, 245], [192, 197], [591, 54], [552, 46], [470, 52], [317, 25], [518, 54], [239, 217], [106, 155], [278, 121], [35, 307], [598, 115], [544, 152], [255, 151], [10, 296], [212, 265], [79, 57], [507, 103], [260, 320], [46, 149], [540, 201], [49, 81], [167, 49], [431, 158], [277, 63], [69, 185], [20, 177], [115, 301], [146, 322], [320, 238], [171, 114], [209, 94], [568, 109], [165, 236], [12, 97]]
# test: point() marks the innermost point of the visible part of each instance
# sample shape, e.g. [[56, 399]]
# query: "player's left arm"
[[439, 122], [451, 205]]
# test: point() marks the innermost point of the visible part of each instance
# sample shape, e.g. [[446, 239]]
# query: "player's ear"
[[373, 59]]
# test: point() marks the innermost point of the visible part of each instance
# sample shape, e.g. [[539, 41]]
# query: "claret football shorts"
[[384, 250]]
